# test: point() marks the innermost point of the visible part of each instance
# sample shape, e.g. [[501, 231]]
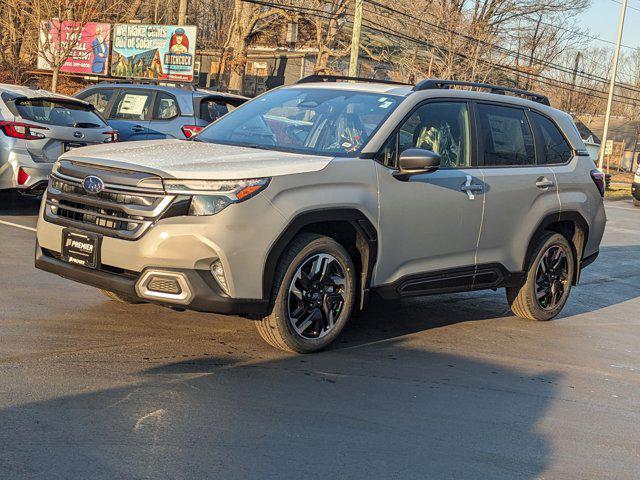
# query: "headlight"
[[209, 197]]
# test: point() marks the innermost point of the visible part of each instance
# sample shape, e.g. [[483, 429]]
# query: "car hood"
[[197, 160]]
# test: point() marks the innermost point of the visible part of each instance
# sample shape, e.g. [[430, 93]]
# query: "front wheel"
[[636, 202], [548, 282], [314, 294]]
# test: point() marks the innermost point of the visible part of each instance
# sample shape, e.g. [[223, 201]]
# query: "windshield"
[[304, 120], [60, 113]]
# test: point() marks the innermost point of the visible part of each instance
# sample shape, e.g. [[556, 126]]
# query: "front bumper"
[[204, 293]]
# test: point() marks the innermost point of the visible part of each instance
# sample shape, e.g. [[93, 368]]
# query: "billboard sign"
[[164, 52], [87, 46]]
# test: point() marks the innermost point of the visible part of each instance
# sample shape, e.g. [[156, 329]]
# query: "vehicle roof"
[[390, 89], [405, 91], [173, 89], [28, 92]]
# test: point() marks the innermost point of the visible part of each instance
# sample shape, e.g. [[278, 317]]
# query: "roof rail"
[[149, 81], [335, 78], [432, 84]]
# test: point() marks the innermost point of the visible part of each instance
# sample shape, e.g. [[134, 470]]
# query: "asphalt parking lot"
[[441, 387]]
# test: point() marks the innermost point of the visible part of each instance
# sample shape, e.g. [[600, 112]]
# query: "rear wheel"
[[548, 282], [121, 298], [314, 294], [636, 202]]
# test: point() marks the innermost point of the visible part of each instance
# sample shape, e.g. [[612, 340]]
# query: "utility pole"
[[182, 12], [612, 84], [573, 80], [355, 39]]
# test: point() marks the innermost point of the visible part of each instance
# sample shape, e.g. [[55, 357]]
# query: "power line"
[[385, 31], [566, 86], [508, 51]]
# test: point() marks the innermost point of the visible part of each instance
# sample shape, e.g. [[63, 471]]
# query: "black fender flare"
[[564, 216], [366, 243]]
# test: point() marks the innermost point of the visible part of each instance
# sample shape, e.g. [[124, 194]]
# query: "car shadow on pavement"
[[13, 204], [387, 411]]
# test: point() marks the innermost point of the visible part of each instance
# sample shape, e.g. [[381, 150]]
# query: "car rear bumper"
[[38, 173], [199, 291]]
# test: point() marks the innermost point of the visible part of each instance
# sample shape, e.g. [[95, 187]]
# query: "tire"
[[121, 298], [325, 299], [525, 301], [636, 202]]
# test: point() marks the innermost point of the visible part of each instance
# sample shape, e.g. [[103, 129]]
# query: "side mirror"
[[414, 161]]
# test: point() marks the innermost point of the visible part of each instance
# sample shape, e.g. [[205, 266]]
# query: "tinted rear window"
[[213, 109], [506, 135], [556, 148], [58, 113]]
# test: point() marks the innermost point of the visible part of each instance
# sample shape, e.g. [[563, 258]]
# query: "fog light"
[[218, 273]]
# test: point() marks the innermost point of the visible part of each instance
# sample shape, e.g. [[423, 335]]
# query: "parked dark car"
[[151, 112]]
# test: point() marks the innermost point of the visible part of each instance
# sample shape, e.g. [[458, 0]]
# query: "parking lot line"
[[24, 227], [621, 208]]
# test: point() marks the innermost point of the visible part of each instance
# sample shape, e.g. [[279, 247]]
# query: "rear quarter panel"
[[578, 193]]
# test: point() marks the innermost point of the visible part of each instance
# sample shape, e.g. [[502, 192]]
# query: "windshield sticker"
[[386, 104], [382, 99]]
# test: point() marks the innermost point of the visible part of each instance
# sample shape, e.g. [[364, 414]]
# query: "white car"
[[36, 127]]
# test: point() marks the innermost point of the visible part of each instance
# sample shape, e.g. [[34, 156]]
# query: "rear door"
[[64, 124], [166, 118], [131, 113], [520, 192]]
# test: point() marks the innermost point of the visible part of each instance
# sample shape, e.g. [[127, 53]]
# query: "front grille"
[[119, 210]]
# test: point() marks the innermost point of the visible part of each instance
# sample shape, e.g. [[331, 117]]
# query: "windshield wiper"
[[85, 125]]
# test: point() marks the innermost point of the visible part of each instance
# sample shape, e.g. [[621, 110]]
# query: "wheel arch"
[[348, 226], [570, 224]]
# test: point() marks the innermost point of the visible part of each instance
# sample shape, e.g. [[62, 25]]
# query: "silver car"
[[297, 206], [36, 127]]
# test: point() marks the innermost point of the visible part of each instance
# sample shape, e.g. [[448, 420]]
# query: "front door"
[[131, 114], [429, 225]]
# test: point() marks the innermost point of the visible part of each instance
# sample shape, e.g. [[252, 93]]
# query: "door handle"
[[544, 183], [470, 188], [137, 128]]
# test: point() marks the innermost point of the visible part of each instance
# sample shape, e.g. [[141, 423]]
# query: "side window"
[[99, 99], [506, 136], [211, 110], [556, 149], [166, 107], [132, 105], [442, 128]]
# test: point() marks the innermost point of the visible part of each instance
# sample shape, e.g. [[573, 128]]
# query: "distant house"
[[622, 131], [590, 139]]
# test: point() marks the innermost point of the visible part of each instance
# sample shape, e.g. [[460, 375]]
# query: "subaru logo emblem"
[[78, 134], [93, 184]]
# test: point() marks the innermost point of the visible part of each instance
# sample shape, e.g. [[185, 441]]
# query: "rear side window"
[[506, 136], [99, 99], [132, 106], [166, 107], [59, 113], [556, 149], [211, 110]]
